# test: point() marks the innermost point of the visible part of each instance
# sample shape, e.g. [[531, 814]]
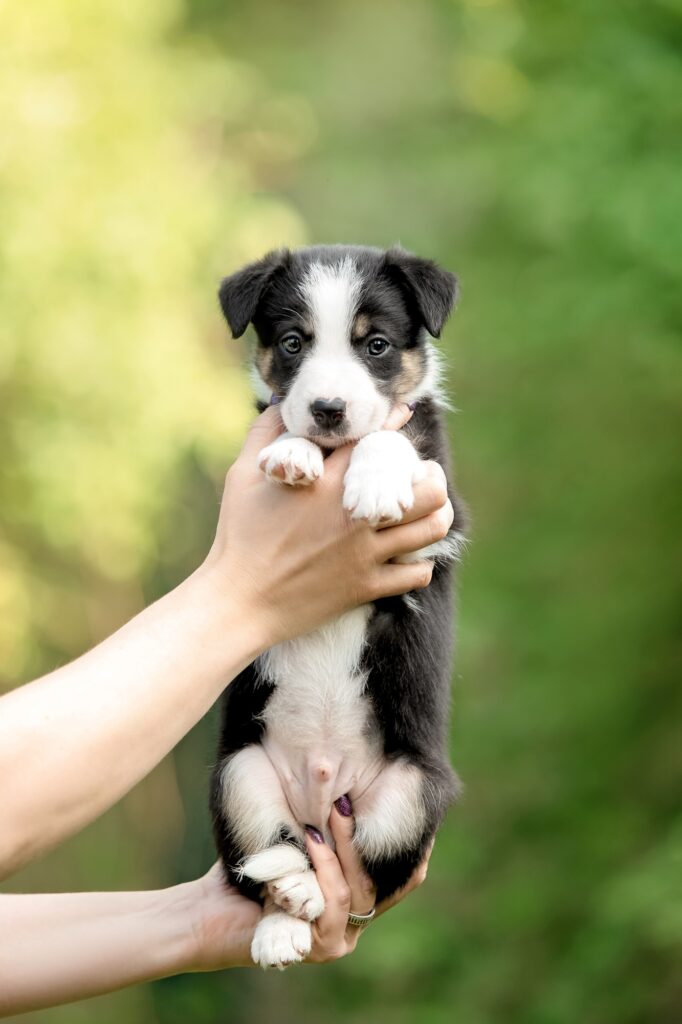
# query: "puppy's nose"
[[328, 413]]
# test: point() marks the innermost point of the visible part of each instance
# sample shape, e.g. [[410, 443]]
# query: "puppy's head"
[[342, 333]]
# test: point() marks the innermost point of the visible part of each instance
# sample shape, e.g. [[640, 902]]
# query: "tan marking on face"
[[360, 326], [263, 360], [411, 373]]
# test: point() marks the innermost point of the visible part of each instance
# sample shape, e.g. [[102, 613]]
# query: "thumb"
[[399, 415]]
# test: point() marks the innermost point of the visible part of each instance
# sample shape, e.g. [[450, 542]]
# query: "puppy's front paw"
[[299, 894], [292, 460], [280, 940], [378, 482]]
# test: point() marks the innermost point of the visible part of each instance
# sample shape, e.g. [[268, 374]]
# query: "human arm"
[[74, 742], [69, 946]]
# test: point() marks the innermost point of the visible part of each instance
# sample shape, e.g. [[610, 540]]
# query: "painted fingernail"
[[275, 400], [344, 806], [411, 406], [314, 834]]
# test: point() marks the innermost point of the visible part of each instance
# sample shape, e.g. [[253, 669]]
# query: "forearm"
[[59, 948], [72, 743]]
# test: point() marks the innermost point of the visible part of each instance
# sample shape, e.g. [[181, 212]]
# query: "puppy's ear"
[[241, 292], [432, 290]]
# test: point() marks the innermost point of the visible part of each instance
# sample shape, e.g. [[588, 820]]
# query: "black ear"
[[432, 289], [241, 292]]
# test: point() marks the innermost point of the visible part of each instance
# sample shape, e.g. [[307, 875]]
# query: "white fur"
[[292, 460], [389, 816], [276, 862], [446, 550], [431, 384], [298, 894], [254, 802], [280, 939], [319, 734], [378, 482], [260, 388], [332, 370]]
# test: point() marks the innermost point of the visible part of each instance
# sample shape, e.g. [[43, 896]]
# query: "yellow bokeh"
[[128, 186]]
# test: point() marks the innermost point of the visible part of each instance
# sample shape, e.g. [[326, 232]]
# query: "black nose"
[[328, 413]]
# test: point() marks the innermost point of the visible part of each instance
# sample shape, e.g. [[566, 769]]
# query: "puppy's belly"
[[313, 779], [320, 732]]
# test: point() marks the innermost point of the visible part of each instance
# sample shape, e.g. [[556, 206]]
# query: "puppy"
[[360, 706]]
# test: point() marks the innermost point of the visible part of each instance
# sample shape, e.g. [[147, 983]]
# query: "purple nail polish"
[[275, 400], [411, 406], [314, 834], [344, 806]]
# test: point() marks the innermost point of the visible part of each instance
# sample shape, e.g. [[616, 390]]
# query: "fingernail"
[[411, 406], [314, 834], [344, 806], [275, 400]]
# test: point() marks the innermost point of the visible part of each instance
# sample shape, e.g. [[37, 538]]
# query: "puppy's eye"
[[291, 344], [377, 346]]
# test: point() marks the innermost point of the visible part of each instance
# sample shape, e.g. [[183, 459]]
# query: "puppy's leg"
[[395, 818], [253, 805], [292, 460], [379, 480], [258, 817]]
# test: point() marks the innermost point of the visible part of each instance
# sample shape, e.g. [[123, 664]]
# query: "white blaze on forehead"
[[332, 293], [332, 369]]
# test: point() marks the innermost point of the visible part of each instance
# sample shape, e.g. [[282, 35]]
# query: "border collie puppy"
[[360, 706]]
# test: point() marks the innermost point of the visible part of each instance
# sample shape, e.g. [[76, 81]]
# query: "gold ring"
[[361, 920]]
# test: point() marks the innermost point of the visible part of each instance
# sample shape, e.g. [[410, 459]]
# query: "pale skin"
[[283, 561]]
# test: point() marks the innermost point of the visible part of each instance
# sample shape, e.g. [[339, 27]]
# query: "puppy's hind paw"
[[299, 894], [280, 940]]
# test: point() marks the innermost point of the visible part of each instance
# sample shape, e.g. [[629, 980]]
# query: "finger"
[[331, 925], [392, 578], [336, 464], [402, 540], [263, 431], [430, 494], [399, 415], [362, 890]]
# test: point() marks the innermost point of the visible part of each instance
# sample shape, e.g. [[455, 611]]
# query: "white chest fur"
[[319, 726]]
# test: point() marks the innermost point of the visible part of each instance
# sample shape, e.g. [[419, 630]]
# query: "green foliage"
[[533, 147]]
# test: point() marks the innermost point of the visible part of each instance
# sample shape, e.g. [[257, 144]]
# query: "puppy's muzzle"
[[329, 414]]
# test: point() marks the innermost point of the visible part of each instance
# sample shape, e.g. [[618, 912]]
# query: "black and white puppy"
[[360, 706]]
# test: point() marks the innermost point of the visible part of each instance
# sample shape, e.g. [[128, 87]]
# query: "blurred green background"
[[534, 147]]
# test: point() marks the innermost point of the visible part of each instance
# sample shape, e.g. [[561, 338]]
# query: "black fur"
[[409, 660], [241, 293], [433, 290]]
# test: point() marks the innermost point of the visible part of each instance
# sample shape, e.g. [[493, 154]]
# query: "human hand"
[[292, 558], [346, 887], [223, 921]]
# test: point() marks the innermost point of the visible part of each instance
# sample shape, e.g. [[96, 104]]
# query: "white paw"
[[280, 939], [299, 894], [292, 460], [274, 863], [378, 482]]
